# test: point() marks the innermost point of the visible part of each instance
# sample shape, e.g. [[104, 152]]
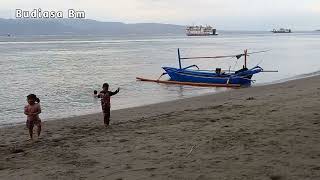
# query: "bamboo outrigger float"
[[207, 78], [189, 83]]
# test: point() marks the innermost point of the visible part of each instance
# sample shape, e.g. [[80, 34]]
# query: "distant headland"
[[66, 26]]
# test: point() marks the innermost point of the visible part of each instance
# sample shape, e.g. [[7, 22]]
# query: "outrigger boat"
[[217, 78]]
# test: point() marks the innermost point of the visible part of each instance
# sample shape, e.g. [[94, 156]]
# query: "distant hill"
[[83, 27]]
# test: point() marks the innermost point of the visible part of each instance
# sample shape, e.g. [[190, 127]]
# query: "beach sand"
[[266, 132]]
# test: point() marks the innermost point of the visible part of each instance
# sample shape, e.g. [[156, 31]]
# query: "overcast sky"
[[223, 14]]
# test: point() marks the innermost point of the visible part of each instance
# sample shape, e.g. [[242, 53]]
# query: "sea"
[[63, 71]]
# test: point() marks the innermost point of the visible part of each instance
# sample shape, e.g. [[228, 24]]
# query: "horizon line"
[[177, 24]]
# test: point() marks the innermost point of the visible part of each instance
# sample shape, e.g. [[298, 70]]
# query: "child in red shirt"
[[105, 95]]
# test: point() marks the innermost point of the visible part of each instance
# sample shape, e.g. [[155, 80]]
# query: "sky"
[[222, 14]]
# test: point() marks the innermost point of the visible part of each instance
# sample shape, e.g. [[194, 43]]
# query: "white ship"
[[281, 30], [200, 31]]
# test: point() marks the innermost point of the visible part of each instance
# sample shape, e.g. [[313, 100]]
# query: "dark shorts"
[[106, 114], [106, 110], [31, 124]]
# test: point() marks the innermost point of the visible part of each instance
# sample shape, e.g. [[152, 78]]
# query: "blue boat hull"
[[196, 76]]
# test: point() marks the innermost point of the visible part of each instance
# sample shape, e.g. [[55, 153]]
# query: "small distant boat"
[[281, 30], [217, 77], [7, 35], [200, 31]]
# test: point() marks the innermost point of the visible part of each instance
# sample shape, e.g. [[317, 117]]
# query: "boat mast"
[[179, 59], [245, 58]]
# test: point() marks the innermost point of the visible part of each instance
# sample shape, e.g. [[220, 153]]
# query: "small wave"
[[11, 124], [300, 76], [316, 73]]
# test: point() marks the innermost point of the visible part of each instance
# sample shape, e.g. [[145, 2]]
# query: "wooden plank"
[[190, 83]]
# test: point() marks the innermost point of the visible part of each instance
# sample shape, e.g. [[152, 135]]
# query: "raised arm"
[[115, 92]]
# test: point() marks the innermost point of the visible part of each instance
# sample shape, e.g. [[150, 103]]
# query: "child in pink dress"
[[32, 110]]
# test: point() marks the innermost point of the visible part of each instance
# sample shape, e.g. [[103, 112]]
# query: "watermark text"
[[39, 13]]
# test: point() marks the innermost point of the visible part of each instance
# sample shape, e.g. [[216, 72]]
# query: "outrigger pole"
[[238, 56], [190, 83], [245, 58], [179, 58]]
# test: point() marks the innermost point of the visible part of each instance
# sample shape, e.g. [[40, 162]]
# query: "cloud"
[[177, 11]]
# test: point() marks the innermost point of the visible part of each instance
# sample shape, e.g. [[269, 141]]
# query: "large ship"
[[200, 31], [281, 30]]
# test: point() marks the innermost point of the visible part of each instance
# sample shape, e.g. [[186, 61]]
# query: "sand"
[[266, 132]]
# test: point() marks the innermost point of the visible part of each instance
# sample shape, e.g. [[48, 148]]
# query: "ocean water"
[[63, 71]]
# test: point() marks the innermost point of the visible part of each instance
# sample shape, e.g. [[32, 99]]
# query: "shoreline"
[[261, 132], [298, 77]]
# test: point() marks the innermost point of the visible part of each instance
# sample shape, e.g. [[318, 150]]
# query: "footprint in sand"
[[213, 120], [228, 118], [141, 132], [128, 167], [202, 177], [151, 169], [123, 140], [276, 177], [16, 150], [85, 163]]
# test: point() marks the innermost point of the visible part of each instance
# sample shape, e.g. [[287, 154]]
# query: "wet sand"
[[266, 132]]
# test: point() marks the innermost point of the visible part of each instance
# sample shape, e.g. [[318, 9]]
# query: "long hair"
[[33, 96]]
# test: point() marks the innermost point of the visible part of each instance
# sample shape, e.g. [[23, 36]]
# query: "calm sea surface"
[[63, 70]]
